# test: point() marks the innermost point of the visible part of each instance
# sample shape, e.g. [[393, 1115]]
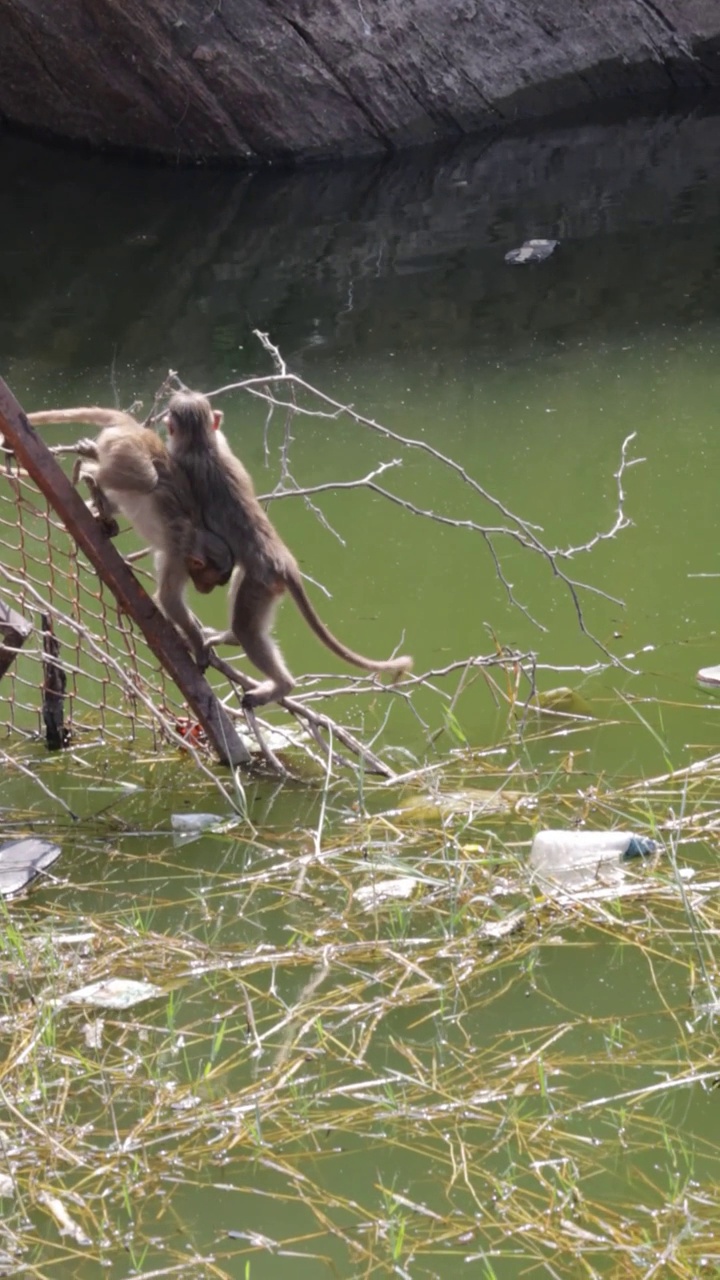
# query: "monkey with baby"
[[194, 502]]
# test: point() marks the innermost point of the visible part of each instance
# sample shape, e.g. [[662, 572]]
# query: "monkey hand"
[[108, 524], [103, 519], [212, 637], [87, 448]]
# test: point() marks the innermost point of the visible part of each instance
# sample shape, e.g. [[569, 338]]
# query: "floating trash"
[[193, 823], [581, 860], [709, 679], [552, 849], [67, 1224], [532, 251], [496, 930], [111, 993], [373, 895], [22, 861], [562, 701], [190, 826], [467, 802]]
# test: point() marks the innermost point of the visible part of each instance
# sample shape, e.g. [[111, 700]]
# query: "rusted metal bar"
[[14, 630], [57, 735], [160, 634]]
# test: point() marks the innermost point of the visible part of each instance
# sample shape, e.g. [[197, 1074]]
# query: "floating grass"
[[366, 1042]]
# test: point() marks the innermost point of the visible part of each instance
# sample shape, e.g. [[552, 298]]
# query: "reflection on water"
[[101, 262]]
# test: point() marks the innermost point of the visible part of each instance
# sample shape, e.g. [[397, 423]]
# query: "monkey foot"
[[202, 660], [269, 691]]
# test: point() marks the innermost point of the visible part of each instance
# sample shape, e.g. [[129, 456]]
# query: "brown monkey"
[[265, 567], [128, 469]]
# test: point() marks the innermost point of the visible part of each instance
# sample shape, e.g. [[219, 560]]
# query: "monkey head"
[[190, 420], [209, 563]]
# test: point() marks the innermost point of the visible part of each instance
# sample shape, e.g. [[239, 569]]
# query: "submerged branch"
[[314, 720]]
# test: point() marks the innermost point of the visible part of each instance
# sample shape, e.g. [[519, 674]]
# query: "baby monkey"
[[127, 468], [266, 568]]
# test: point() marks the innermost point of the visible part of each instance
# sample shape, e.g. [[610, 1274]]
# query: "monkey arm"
[[100, 505]]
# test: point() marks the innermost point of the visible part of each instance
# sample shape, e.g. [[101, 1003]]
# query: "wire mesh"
[[116, 690]]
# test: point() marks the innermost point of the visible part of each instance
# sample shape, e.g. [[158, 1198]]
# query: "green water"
[[385, 286]]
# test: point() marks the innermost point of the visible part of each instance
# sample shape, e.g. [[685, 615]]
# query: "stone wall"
[[268, 80]]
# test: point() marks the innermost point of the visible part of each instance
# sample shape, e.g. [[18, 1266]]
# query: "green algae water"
[[338, 1079], [386, 287]]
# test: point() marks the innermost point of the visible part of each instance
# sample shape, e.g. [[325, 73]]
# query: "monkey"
[[127, 468], [209, 562], [265, 567]]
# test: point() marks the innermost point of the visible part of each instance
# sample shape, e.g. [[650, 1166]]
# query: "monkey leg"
[[228, 636], [219, 637], [104, 509], [172, 577], [252, 616]]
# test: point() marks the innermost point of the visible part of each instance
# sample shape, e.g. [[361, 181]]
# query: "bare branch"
[[518, 529], [315, 720]]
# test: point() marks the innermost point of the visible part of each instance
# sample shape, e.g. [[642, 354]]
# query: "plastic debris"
[[67, 1224], [111, 993], [22, 861], [709, 679], [467, 802], [372, 895], [564, 702], [582, 860], [532, 251], [190, 826], [194, 823]]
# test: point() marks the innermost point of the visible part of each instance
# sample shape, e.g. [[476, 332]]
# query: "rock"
[[268, 80]]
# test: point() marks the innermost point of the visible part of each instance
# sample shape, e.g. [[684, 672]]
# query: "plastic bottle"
[[555, 849], [709, 679]]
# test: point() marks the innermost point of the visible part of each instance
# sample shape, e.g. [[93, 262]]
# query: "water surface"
[[386, 286]]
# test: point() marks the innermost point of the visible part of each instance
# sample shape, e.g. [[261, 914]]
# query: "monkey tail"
[[294, 585], [94, 416]]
